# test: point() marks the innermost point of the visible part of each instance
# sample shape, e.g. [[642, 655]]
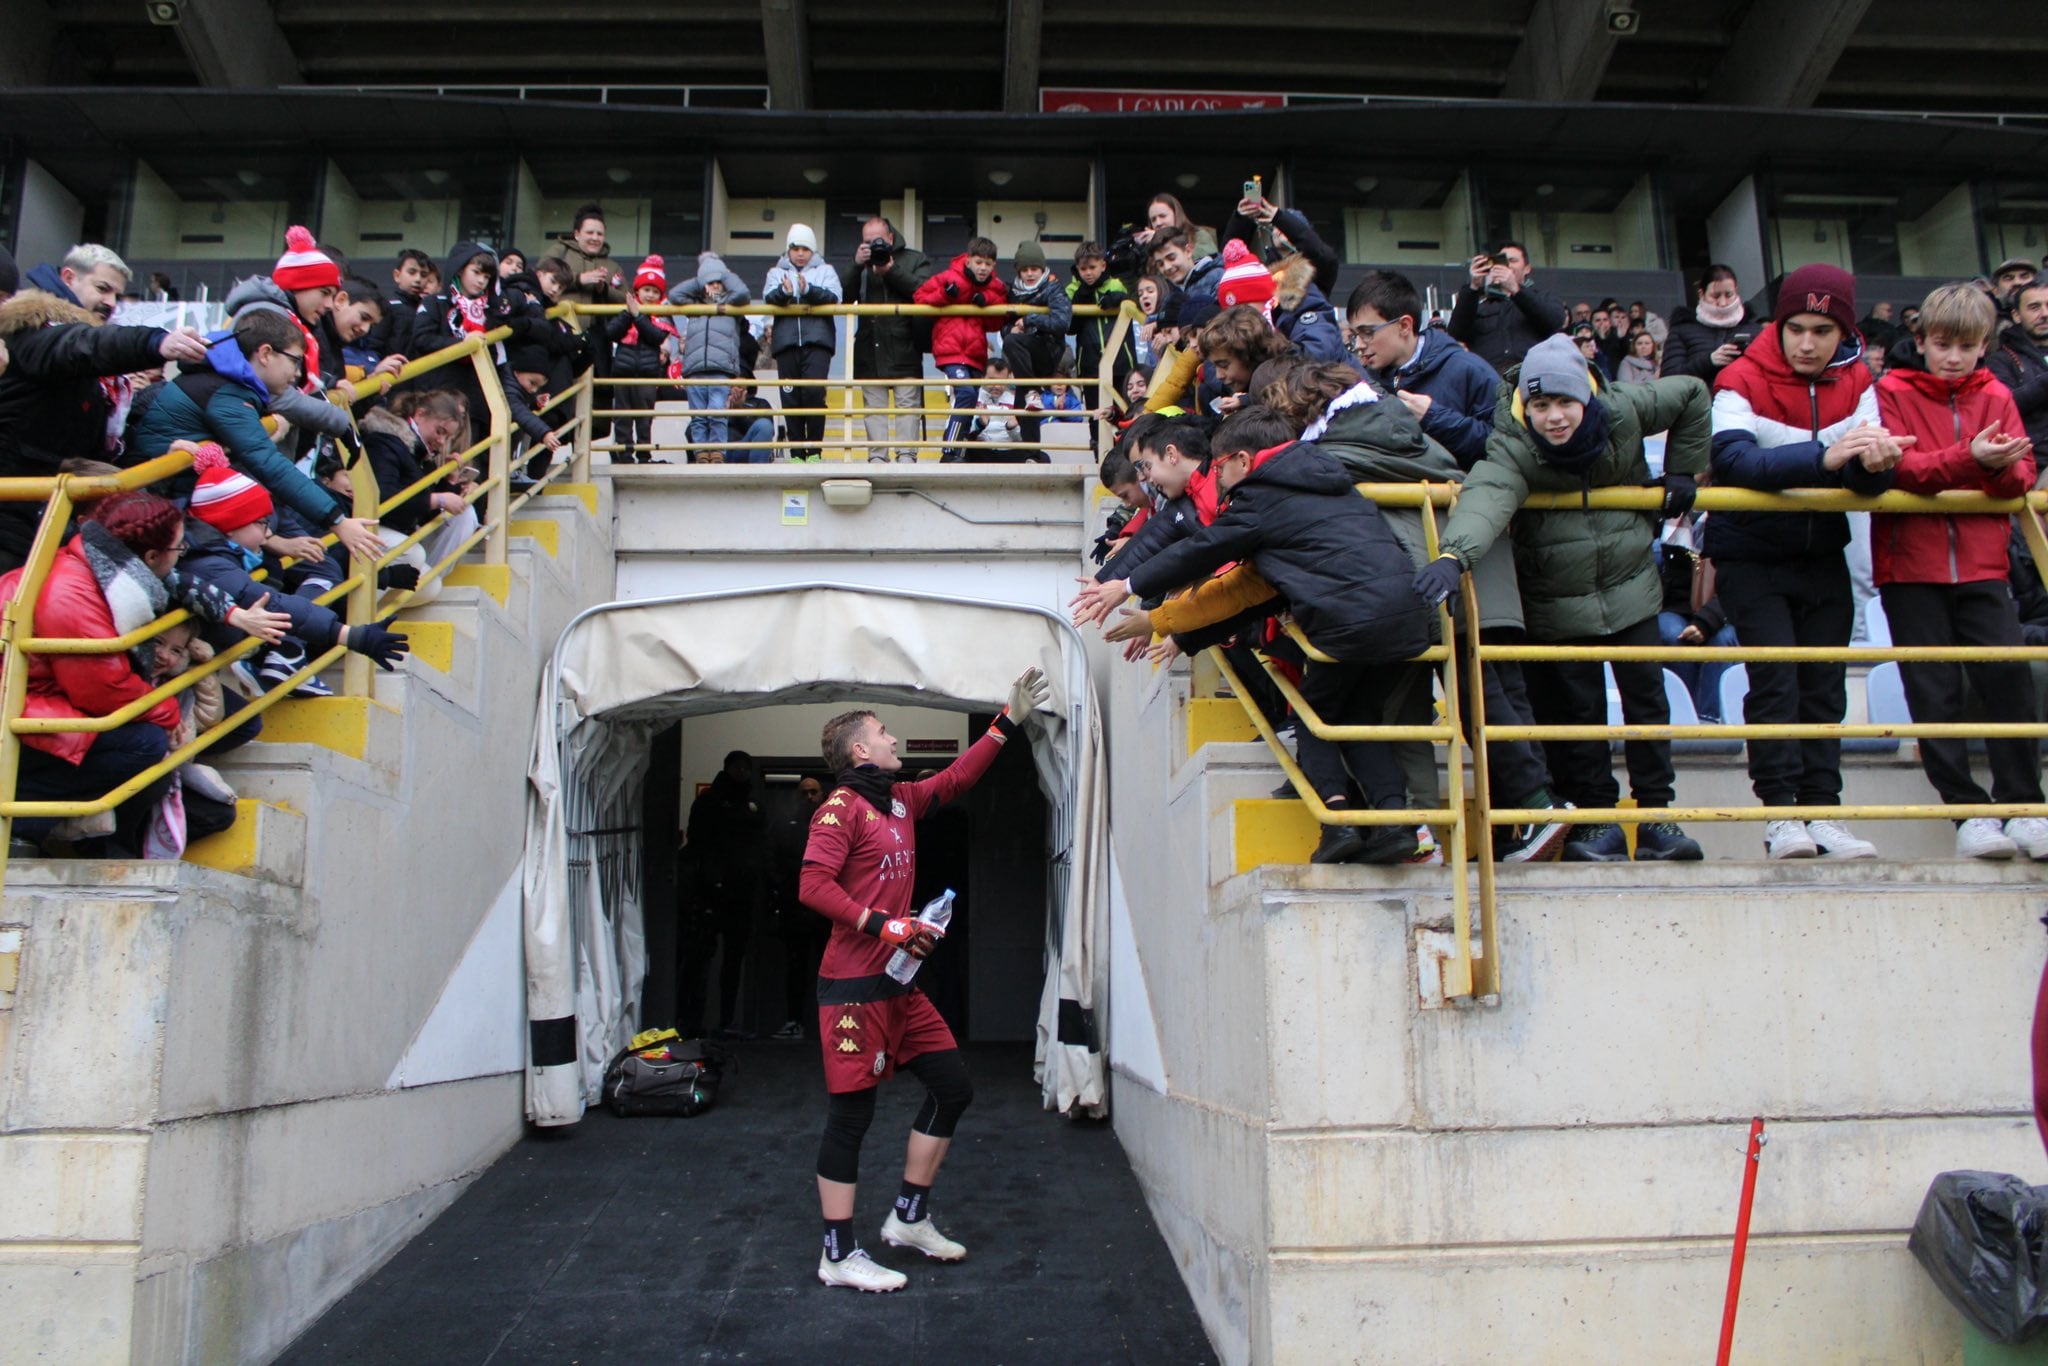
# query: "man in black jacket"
[[725, 845], [885, 271], [2021, 360], [1500, 316], [1333, 563], [53, 404]]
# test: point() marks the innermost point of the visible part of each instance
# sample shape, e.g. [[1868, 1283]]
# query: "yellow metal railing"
[[1475, 971], [854, 411], [61, 495]]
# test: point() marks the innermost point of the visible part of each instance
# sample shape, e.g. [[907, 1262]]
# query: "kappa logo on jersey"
[[897, 808], [838, 799], [848, 1046], [828, 819], [873, 817]]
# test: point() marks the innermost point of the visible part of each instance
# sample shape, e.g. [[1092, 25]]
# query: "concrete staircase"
[[230, 1087], [1348, 1175]]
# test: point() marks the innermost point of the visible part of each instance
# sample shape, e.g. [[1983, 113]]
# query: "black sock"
[[910, 1205], [838, 1239]]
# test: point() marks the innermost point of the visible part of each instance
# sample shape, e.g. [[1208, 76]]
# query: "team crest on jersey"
[[881, 1061], [897, 808]]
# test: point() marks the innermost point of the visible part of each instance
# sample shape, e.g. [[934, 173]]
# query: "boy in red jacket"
[[1943, 579], [960, 345]]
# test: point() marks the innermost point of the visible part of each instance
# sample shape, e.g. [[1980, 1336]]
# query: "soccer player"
[[859, 865]]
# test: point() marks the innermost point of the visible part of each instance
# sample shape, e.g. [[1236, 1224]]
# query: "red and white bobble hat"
[[653, 271], [1245, 280], [224, 498], [304, 265]]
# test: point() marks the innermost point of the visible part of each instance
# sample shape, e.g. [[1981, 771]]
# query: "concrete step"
[[266, 841]]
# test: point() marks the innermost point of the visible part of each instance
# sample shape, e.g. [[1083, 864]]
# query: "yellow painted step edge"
[[1271, 830], [586, 492], [1218, 721], [341, 724], [547, 534], [233, 850], [432, 642], [495, 579]]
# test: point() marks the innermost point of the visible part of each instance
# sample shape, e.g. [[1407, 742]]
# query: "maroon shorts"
[[865, 1041]]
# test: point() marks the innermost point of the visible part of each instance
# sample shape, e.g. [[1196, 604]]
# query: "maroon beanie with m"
[[1828, 290]]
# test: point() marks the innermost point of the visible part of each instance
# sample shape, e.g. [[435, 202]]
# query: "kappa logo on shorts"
[[848, 1022], [897, 808], [881, 1061], [848, 1046]]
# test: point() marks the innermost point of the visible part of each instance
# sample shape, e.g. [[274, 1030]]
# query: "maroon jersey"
[[860, 858]]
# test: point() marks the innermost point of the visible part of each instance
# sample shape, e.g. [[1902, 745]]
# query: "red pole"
[[1749, 1166]]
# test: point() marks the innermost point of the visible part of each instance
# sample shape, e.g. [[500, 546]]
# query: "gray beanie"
[[1029, 254], [1555, 366]]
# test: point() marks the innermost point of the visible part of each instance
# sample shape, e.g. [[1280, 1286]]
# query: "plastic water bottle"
[[938, 913]]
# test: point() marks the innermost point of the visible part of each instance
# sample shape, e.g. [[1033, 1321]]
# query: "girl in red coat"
[[1943, 579], [960, 345]]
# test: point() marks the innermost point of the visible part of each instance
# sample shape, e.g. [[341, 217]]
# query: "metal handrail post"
[[500, 456], [1106, 395], [580, 465], [362, 599], [18, 623]]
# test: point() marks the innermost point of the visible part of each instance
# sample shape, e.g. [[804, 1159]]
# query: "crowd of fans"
[[1255, 402]]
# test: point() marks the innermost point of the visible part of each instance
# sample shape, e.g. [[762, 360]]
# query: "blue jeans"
[[961, 424], [1702, 679], [760, 429], [707, 429]]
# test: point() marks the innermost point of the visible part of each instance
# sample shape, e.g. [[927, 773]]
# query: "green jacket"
[[1584, 572], [1382, 443], [886, 347]]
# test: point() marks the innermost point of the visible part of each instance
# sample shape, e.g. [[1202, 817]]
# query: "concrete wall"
[[1346, 1176], [226, 1098]]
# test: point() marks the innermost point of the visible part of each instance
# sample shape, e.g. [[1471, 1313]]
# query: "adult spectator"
[[1797, 409], [1500, 316], [1582, 312], [2007, 281], [62, 391], [887, 347], [594, 277], [1909, 322], [2021, 359], [725, 836], [1587, 575], [404, 441], [1450, 391], [1287, 234], [1879, 332], [803, 930], [1610, 328], [1164, 216], [1639, 364], [1588, 342], [802, 344], [1639, 315], [1705, 341]]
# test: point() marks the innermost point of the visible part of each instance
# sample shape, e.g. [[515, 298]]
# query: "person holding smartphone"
[[1720, 327], [1500, 316]]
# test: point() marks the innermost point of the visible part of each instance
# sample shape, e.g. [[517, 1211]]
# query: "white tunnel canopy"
[[626, 670]]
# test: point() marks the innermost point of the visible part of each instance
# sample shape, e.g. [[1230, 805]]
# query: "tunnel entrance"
[[634, 687]]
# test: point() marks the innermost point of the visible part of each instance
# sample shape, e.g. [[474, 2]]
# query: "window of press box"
[[1576, 217], [1887, 227]]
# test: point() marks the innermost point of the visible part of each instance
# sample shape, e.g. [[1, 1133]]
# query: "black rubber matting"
[[670, 1240]]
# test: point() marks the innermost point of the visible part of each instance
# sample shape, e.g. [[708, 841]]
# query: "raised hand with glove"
[[1680, 492], [379, 642], [1030, 692], [1437, 582]]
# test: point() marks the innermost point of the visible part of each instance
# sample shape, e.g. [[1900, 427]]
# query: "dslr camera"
[[881, 251]]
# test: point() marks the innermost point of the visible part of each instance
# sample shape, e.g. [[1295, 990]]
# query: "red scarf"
[[467, 314]]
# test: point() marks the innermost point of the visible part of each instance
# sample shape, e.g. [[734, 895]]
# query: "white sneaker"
[[2030, 833], [1835, 841], [1427, 853], [1788, 839], [858, 1271], [922, 1236], [1982, 837]]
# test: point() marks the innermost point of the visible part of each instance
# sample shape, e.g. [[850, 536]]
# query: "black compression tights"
[[948, 1093]]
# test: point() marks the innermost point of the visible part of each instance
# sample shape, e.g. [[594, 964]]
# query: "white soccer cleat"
[[1834, 840], [1982, 837], [858, 1271], [2030, 833], [1788, 839], [922, 1236]]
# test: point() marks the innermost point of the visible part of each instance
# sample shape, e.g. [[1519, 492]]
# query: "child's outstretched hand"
[[1992, 449]]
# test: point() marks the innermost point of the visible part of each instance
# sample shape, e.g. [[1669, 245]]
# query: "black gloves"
[[403, 576], [1437, 581], [380, 643], [978, 299], [951, 288], [1679, 492]]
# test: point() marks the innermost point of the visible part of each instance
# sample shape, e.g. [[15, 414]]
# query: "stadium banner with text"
[[1088, 100]]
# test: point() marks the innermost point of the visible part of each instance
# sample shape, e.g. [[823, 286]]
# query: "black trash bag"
[[662, 1073], [1983, 1237]]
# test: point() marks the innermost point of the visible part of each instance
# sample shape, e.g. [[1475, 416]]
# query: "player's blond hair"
[[837, 739]]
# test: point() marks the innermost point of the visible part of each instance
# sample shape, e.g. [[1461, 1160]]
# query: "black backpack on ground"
[[662, 1073]]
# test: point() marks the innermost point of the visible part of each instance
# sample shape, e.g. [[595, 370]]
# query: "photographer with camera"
[[884, 271], [1500, 316]]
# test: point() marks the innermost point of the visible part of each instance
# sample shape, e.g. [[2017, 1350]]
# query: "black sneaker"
[[1339, 844], [1595, 844], [1530, 843], [1664, 842], [1387, 844], [1286, 793]]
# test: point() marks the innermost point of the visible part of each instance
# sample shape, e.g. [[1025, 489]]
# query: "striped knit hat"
[[653, 271], [1245, 280], [225, 499], [304, 265]]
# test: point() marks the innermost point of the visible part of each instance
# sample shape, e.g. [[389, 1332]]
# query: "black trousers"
[[1966, 614], [1796, 602], [804, 933], [1574, 693], [1032, 355], [723, 925], [1351, 694], [631, 434], [1514, 768], [804, 362]]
